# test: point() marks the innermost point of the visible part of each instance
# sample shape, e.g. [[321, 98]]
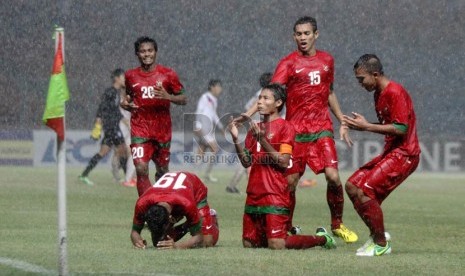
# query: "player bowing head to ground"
[[308, 74], [369, 186], [268, 149], [151, 88], [175, 196]]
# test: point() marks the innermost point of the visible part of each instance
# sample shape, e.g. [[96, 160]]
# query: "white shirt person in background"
[[207, 121]]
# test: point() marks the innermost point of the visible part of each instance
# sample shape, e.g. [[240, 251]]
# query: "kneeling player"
[[174, 196], [268, 149]]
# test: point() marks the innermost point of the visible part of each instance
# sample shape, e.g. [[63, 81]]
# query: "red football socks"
[[372, 215], [291, 209], [304, 241], [335, 198]]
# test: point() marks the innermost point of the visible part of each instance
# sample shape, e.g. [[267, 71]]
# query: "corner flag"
[[58, 92]]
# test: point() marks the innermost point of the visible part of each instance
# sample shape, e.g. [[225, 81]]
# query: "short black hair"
[[213, 82], [370, 63], [279, 93], [306, 20], [116, 73], [265, 79], [157, 218], [145, 39]]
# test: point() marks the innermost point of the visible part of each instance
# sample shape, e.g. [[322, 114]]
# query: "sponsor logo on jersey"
[[299, 70]]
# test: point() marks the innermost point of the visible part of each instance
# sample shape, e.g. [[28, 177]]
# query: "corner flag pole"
[[54, 117], [61, 187]]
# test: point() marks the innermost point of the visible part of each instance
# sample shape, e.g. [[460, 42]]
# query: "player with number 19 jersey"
[[188, 196], [152, 120], [267, 186], [308, 80]]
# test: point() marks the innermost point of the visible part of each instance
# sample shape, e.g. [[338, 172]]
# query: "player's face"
[[216, 90], [266, 102], [366, 80], [305, 38], [147, 54], [120, 80]]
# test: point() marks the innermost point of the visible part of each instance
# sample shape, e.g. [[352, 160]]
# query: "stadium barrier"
[[38, 148]]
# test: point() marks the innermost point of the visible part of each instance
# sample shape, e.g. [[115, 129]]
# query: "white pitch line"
[[25, 266]]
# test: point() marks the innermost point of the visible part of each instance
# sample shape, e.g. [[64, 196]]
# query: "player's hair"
[[157, 218], [145, 39], [213, 82], [265, 79], [116, 73], [370, 63], [306, 20], [279, 93]]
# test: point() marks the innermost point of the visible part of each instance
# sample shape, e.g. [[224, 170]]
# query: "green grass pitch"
[[425, 217]]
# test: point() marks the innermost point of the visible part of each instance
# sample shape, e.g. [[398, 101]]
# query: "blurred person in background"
[[107, 119], [206, 123], [130, 175]]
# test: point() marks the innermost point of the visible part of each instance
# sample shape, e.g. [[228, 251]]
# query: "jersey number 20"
[[167, 180]]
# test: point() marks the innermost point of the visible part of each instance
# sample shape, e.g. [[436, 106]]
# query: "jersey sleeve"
[[400, 111], [250, 142], [288, 137], [331, 70], [281, 74], [193, 219], [175, 86]]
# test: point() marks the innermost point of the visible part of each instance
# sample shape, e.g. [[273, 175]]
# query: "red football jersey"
[[394, 105], [307, 80], [152, 119], [180, 190], [267, 184]]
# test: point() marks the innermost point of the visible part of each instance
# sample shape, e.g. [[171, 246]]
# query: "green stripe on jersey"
[[401, 127], [194, 229], [139, 140], [312, 137], [137, 228], [202, 203], [266, 210]]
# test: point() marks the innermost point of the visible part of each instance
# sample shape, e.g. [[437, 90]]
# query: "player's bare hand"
[[257, 131], [137, 240], [243, 118], [344, 134], [232, 128], [357, 122], [168, 243], [128, 104], [161, 93]]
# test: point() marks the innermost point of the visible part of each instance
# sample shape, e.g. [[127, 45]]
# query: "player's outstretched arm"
[[358, 122], [245, 117], [336, 109]]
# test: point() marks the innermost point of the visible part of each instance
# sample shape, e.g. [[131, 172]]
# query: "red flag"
[[58, 92]]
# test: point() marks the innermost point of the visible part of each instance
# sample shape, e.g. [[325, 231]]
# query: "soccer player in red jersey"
[[369, 186], [174, 196], [308, 75], [150, 89], [268, 149]]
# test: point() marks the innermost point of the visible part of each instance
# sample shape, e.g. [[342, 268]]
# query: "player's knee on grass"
[[247, 244], [208, 241], [276, 244]]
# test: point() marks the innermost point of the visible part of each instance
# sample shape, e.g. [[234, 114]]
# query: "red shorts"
[[151, 150], [258, 228], [209, 223], [379, 177], [317, 155]]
